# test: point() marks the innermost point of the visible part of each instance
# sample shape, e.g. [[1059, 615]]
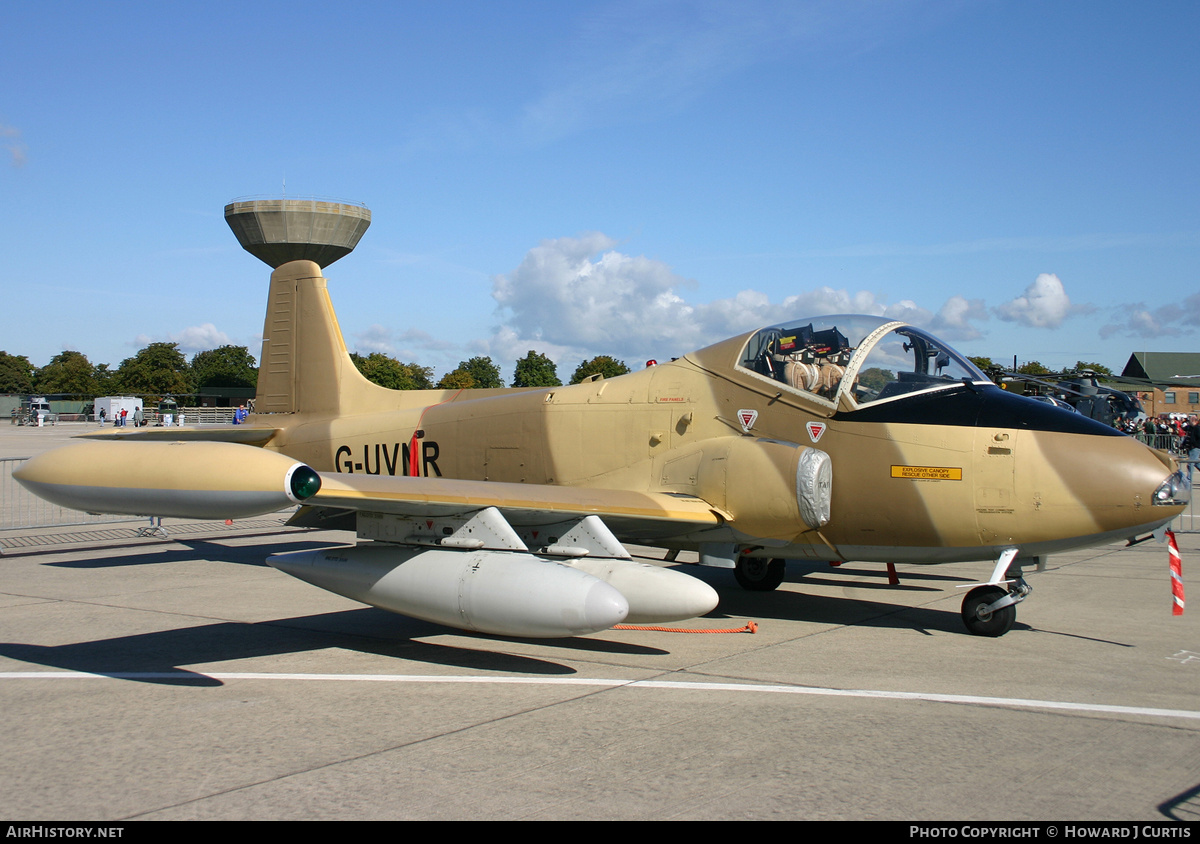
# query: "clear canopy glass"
[[865, 359]]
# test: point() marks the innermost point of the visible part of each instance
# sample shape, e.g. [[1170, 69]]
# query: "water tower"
[[280, 230]]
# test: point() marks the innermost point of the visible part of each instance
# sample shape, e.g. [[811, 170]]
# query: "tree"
[[536, 370], [388, 372], [157, 370], [106, 380], [983, 363], [604, 365], [16, 374], [68, 372], [457, 380], [1100, 369], [876, 378], [224, 366], [480, 371], [1033, 367]]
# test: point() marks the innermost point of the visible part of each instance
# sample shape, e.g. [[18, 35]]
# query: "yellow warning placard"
[[928, 473]]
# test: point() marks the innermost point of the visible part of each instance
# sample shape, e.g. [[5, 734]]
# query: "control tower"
[[280, 230]]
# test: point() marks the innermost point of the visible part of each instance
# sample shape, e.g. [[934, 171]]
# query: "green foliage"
[[1100, 369], [157, 370], [225, 366], [16, 374], [602, 364], [68, 372], [536, 370], [875, 379], [984, 364], [106, 380], [477, 373], [388, 372], [1033, 367], [456, 380]]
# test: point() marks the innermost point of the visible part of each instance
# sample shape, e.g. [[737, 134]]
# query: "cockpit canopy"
[[861, 359]]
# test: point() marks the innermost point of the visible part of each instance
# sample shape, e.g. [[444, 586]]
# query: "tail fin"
[[305, 365]]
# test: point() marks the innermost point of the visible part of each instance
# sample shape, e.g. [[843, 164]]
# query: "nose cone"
[[654, 594], [603, 607], [1119, 485]]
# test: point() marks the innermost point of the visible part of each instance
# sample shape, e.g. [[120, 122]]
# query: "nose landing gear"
[[991, 609]]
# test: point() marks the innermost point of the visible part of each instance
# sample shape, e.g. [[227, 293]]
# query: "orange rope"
[[752, 627]]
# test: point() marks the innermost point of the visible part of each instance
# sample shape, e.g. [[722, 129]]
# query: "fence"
[[1186, 523], [191, 416], [1164, 442]]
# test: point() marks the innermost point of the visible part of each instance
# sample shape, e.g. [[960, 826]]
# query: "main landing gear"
[[758, 574], [991, 609]]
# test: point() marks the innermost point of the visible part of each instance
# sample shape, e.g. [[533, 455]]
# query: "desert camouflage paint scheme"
[[833, 438]]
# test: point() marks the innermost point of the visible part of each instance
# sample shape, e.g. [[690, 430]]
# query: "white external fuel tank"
[[508, 593]]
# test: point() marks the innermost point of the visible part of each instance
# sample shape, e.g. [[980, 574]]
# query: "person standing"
[[1191, 444]]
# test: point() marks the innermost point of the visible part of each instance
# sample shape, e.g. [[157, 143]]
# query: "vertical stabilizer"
[[305, 366]]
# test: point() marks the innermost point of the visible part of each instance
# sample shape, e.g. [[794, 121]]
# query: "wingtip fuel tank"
[[189, 480]]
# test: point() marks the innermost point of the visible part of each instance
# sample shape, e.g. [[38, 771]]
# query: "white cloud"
[[954, 320], [1136, 320], [561, 296], [405, 345], [376, 338], [573, 298], [1044, 305], [196, 338]]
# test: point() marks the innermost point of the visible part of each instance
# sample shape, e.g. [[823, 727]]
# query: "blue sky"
[[627, 178]]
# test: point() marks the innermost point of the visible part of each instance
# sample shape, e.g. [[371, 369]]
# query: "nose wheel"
[[991, 610]]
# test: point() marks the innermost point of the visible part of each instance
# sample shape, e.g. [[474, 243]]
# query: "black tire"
[[987, 624], [758, 574]]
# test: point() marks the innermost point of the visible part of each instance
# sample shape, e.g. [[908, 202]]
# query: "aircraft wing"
[[632, 515], [462, 552], [504, 558]]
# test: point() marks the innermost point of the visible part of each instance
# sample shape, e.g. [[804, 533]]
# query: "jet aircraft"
[[507, 511]]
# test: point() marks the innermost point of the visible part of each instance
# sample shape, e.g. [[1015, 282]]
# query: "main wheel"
[[982, 622], [758, 574]]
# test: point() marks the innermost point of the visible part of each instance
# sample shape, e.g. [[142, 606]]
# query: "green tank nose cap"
[[305, 483]]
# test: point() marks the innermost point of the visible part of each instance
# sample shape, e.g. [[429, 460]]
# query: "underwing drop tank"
[[499, 592]]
